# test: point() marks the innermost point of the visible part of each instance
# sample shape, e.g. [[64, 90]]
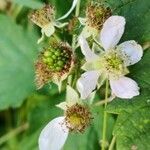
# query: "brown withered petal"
[[96, 15], [42, 17]]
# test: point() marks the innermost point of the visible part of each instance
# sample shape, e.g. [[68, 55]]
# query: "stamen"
[[77, 118], [43, 16], [96, 15]]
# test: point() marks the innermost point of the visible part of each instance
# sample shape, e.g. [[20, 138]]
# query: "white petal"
[[89, 55], [112, 31], [70, 10], [54, 135], [88, 66], [132, 52], [124, 87], [87, 83], [71, 95], [48, 29]]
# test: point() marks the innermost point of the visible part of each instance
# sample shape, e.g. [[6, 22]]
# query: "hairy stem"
[[105, 117]]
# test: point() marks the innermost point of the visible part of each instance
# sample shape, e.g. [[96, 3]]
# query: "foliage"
[[20, 102]]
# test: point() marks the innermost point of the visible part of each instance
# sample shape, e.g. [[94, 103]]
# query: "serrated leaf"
[[132, 130], [18, 50]]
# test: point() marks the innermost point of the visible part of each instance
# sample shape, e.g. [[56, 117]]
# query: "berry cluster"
[[55, 59]]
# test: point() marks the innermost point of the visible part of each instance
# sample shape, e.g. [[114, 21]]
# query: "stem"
[[105, 117], [101, 102], [77, 12], [112, 143], [56, 37], [16, 11], [78, 9], [13, 133]]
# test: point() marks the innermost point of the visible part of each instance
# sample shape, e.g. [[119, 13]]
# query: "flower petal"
[[112, 31], [48, 29], [124, 87], [88, 66], [70, 10], [87, 83], [72, 96], [54, 135], [89, 55], [131, 51]]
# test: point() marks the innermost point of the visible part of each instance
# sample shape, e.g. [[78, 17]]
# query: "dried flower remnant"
[[74, 26], [96, 14], [45, 19], [54, 64]]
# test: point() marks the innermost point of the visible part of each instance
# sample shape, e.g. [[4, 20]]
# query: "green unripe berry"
[[57, 53], [49, 60], [60, 63], [54, 57], [58, 68], [47, 53]]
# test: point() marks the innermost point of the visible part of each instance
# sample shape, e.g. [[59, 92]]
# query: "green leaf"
[[40, 110], [34, 4], [18, 50], [137, 14], [132, 130]]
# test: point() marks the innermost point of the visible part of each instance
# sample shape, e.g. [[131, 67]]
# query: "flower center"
[[112, 63], [57, 59], [43, 16], [77, 118], [96, 15]]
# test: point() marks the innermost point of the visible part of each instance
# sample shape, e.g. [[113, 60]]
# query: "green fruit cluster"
[[55, 59]]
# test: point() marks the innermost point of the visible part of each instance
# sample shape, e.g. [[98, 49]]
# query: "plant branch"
[[77, 12], [111, 147], [105, 117]]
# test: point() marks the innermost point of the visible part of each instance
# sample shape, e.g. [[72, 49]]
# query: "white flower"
[[112, 62], [76, 118], [45, 19]]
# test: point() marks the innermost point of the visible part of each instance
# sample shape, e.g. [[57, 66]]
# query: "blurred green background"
[[24, 111]]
